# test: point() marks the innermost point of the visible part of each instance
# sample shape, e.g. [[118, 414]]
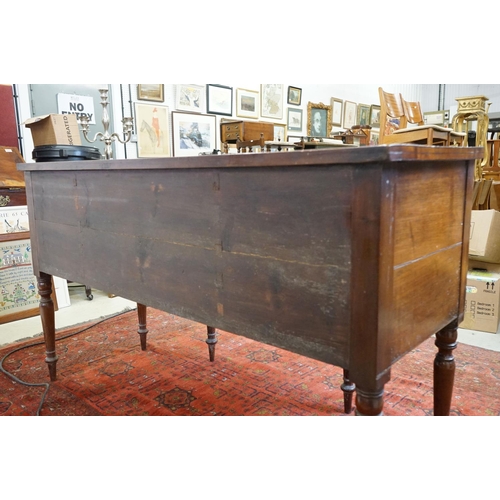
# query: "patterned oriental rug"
[[102, 371]]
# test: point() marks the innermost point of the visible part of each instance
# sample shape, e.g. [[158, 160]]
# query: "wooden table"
[[351, 256]]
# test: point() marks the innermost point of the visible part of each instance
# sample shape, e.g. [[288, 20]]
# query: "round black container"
[[65, 153]]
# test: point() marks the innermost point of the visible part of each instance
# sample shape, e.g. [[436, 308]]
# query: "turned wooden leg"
[[48, 322], [211, 341], [348, 389], [142, 331], [444, 369], [369, 403]]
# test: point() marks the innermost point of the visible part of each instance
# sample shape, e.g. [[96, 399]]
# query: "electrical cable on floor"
[[41, 342]]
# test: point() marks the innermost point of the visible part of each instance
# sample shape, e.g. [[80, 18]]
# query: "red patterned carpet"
[[102, 371]]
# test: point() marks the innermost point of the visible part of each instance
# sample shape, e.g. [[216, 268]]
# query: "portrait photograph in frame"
[[189, 97], [150, 92], [219, 99], [153, 131], [350, 114], [294, 96], [319, 120], [247, 103], [363, 114], [271, 100], [294, 119], [337, 105], [193, 134], [374, 116]]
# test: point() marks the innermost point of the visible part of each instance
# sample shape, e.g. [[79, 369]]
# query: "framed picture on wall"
[[271, 100], [150, 92], [350, 114], [374, 116], [153, 131], [363, 114], [280, 132], [319, 120], [294, 96], [189, 97], [247, 103], [294, 119], [219, 99], [193, 134], [336, 105], [19, 296]]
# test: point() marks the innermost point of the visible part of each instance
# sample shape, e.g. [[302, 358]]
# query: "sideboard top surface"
[[359, 155]]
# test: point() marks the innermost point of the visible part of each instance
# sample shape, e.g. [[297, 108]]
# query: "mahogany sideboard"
[[351, 256]]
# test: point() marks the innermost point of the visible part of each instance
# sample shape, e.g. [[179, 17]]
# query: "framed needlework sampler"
[[19, 296]]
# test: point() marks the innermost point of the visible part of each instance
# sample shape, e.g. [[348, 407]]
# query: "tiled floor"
[[83, 310]]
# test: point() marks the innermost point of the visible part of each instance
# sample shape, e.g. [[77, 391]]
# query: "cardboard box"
[[482, 302], [53, 129], [484, 244]]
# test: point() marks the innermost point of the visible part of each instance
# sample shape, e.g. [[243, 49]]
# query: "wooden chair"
[[414, 116], [394, 124]]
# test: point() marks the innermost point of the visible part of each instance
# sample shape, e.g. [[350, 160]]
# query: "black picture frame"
[[294, 96], [219, 99]]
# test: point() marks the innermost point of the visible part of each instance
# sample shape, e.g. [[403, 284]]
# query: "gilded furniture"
[[351, 256], [474, 109], [394, 127]]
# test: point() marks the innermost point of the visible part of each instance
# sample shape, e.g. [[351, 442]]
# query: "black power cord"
[[46, 384]]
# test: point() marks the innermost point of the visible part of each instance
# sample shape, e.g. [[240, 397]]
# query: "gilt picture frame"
[[150, 92], [319, 119]]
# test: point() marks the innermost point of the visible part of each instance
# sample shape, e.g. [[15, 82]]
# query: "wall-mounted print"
[[336, 105], [271, 100], [294, 96], [363, 115], [193, 134], [319, 120], [374, 116], [294, 119], [153, 132], [247, 103], [350, 114], [280, 132], [219, 99], [189, 97], [150, 92]]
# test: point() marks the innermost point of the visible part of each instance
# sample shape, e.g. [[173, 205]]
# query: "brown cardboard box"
[[482, 301], [54, 129], [484, 244]]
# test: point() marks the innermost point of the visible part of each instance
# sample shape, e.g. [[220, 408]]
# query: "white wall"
[[123, 97]]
